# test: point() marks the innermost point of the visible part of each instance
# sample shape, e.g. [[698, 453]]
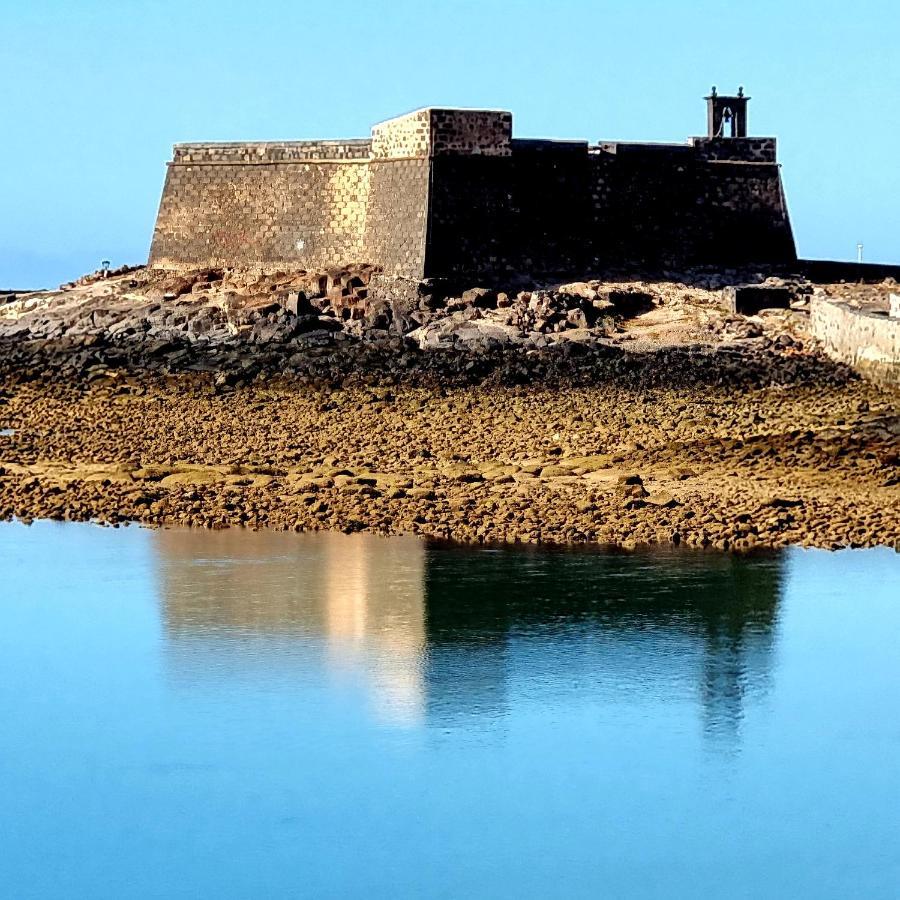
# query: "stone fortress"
[[451, 193]]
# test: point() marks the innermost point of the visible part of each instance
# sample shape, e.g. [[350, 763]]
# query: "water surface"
[[234, 714]]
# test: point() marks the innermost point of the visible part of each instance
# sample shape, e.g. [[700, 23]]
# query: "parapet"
[[700, 149], [263, 152], [744, 149], [430, 132]]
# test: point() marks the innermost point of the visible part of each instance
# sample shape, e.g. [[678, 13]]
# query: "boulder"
[[482, 298], [582, 289]]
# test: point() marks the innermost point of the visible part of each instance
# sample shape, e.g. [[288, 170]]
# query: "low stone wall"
[[868, 341]]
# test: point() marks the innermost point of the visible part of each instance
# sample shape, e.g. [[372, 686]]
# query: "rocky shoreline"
[[664, 420]]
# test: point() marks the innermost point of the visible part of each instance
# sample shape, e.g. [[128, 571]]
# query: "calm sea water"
[[262, 715]]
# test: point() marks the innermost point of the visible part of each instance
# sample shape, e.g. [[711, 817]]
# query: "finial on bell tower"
[[727, 115]]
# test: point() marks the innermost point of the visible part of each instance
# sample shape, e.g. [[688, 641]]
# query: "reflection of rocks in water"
[[255, 596], [655, 624]]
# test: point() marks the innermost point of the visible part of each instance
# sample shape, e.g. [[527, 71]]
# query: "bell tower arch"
[[726, 115]]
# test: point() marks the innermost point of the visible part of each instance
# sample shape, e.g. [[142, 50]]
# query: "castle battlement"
[[451, 192]]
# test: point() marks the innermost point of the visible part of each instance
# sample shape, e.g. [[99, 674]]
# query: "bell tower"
[[726, 116]]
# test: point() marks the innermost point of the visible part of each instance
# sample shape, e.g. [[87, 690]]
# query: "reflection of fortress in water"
[[269, 600], [448, 633]]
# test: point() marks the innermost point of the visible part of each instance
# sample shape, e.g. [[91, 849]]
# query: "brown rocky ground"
[[622, 413], [624, 459]]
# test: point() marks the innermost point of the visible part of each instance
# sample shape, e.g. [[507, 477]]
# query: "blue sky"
[[95, 94]]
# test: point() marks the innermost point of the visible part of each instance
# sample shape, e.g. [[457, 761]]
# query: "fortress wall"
[[443, 132], [478, 132], [751, 149], [403, 137], [292, 204], [499, 215], [744, 214], [446, 192], [436, 150], [397, 216], [397, 213], [666, 206], [556, 207]]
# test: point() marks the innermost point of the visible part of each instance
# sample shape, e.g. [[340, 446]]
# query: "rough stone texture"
[[749, 299], [639, 454], [404, 137], [528, 213], [271, 151], [736, 149], [442, 132], [397, 214], [446, 192], [666, 205], [562, 207], [395, 288], [267, 214], [602, 412], [470, 131], [868, 341]]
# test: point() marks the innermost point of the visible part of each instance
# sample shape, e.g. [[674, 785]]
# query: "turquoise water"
[[192, 714]]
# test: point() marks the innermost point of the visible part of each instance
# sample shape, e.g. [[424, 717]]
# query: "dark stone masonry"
[[450, 192]]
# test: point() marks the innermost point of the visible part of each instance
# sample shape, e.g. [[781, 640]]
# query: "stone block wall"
[[667, 205], [443, 132], [471, 132], [497, 216], [750, 149], [868, 341], [317, 204], [397, 216], [449, 192], [404, 137], [271, 151], [264, 205]]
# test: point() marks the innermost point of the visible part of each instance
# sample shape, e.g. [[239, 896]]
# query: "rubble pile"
[[322, 325]]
